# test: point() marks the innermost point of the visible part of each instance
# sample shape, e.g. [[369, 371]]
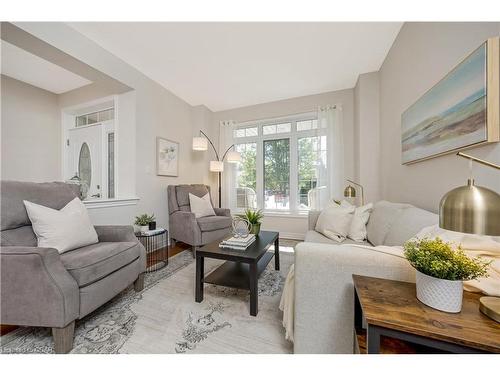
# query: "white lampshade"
[[233, 157], [216, 166], [200, 144]]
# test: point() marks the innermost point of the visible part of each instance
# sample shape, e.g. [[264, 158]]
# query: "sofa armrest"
[[222, 211], [185, 228], [37, 290], [115, 233], [312, 218], [324, 293]]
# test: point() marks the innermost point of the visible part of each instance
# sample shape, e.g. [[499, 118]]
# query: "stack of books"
[[238, 243], [152, 232]]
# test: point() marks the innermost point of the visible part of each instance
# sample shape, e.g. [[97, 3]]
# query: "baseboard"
[[292, 236]]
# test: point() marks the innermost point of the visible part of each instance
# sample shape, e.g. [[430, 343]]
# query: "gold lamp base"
[[490, 306]]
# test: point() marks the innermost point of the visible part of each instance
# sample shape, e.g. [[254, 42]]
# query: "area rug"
[[164, 318]]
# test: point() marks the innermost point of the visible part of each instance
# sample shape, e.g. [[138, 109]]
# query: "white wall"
[[295, 227], [31, 140], [367, 135], [421, 55], [157, 113]]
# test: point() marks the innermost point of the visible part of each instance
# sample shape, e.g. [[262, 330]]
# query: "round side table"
[[156, 246]]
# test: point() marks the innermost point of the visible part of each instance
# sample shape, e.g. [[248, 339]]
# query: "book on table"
[[238, 242]]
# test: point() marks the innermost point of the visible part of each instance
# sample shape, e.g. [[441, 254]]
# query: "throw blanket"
[[473, 245]]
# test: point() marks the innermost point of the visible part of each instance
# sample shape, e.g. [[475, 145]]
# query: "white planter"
[[144, 228], [444, 295]]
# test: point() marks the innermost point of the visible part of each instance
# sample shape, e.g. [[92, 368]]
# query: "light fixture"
[[350, 191], [476, 210], [470, 208], [233, 157], [216, 166], [200, 144]]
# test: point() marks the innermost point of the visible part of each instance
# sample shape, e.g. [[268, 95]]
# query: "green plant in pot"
[[254, 217], [441, 271], [143, 221]]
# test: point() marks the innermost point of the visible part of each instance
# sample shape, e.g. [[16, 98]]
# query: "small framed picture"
[[167, 157]]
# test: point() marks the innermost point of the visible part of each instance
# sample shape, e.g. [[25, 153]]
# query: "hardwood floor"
[[179, 247]]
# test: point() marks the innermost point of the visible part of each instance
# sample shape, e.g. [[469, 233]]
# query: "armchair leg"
[[63, 338], [139, 283], [194, 248], [172, 242]]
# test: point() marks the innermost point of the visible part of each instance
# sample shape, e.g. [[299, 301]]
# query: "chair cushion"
[[182, 193], [91, 263], [210, 223]]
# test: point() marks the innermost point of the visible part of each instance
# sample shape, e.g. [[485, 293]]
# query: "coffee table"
[[242, 267]]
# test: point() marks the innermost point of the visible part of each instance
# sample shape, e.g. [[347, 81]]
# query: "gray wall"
[[421, 55], [31, 133], [158, 112]]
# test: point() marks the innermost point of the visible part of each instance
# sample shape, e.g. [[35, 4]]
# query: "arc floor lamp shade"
[[200, 144]]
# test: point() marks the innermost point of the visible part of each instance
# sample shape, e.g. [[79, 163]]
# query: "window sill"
[[113, 202]]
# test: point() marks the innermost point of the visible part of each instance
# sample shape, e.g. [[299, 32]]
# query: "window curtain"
[[226, 132], [330, 183]]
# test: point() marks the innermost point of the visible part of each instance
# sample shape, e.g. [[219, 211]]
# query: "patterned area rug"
[[164, 318]]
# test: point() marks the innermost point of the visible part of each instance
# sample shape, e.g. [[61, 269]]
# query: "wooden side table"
[[392, 310]]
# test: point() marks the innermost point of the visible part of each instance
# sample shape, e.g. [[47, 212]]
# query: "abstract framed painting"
[[167, 157], [460, 111]]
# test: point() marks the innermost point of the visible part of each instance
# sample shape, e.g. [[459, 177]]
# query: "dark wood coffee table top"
[[394, 305], [251, 254]]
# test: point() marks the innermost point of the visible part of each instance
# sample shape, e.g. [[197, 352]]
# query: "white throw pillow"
[[334, 222], [65, 229], [357, 231], [201, 207]]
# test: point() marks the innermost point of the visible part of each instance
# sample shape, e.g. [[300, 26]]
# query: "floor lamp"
[[201, 144], [476, 210]]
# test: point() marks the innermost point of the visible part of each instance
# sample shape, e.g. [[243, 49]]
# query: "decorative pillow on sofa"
[[65, 229], [334, 222], [357, 231], [201, 207]]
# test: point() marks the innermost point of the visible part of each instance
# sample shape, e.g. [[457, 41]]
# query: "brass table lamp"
[[476, 210], [350, 191]]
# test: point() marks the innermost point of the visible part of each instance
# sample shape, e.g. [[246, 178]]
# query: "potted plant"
[[142, 221], [254, 217], [440, 272]]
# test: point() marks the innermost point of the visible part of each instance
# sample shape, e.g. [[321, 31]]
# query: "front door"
[[85, 153]]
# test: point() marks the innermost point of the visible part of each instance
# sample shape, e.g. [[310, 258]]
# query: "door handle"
[[98, 195]]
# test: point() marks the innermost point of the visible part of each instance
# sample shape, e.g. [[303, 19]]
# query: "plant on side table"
[[144, 222], [254, 217], [440, 272]]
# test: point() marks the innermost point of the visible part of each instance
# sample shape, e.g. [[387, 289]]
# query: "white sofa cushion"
[[334, 222], [65, 229], [357, 231], [381, 219]]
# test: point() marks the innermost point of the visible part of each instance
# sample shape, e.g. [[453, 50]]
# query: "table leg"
[[277, 254], [200, 263], [373, 340], [254, 291]]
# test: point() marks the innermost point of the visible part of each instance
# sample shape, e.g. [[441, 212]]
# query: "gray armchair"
[[185, 227], [42, 288]]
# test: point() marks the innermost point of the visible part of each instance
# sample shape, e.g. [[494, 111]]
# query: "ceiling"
[[229, 65], [24, 66]]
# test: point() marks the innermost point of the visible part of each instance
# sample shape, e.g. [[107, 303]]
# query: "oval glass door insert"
[[85, 168]]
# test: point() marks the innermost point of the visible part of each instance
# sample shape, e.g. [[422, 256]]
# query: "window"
[[277, 174], [282, 164], [95, 117], [246, 176]]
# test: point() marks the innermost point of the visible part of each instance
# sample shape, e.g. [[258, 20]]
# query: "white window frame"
[[293, 136]]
